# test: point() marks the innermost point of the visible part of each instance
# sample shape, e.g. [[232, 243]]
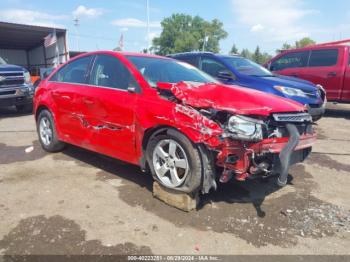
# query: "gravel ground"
[[79, 202]]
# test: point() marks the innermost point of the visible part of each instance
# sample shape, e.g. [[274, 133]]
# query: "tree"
[[246, 53], [257, 56], [286, 46], [260, 58], [183, 33], [298, 44], [234, 50], [265, 57], [304, 42]]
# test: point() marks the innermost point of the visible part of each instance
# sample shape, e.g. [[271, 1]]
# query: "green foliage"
[[298, 44], [304, 42], [259, 57], [234, 50], [246, 53], [183, 33]]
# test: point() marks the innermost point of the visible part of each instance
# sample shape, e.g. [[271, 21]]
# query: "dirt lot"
[[78, 202]]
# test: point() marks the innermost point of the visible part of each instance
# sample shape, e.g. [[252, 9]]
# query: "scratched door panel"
[[108, 118]]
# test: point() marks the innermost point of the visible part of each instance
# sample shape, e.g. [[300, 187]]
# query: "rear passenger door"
[[325, 68], [65, 87]]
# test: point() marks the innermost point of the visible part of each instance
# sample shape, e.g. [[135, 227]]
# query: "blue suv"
[[237, 70]]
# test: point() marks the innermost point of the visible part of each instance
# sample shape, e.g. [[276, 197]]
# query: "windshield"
[[156, 70], [246, 67], [2, 61]]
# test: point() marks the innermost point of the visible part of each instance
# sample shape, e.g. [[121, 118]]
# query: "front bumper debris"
[[269, 156]]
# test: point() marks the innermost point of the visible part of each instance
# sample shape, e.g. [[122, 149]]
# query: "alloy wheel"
[[45, 129], [170, 163]]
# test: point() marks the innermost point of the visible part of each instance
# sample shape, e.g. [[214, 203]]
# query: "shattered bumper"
[[269, 156], [275, 145]]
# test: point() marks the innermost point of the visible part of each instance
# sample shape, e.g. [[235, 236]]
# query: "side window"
[[349, 59], [73, 72], [290, 60], [325, 57], [193, 60], [212, 67], [109, 71]]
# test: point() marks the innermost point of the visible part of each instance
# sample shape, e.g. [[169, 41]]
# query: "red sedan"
[[171, 119]]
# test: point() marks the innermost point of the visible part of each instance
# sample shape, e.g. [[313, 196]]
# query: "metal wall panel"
[[16, 57]]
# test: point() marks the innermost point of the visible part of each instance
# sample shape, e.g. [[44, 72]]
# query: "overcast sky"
[[249, 23]]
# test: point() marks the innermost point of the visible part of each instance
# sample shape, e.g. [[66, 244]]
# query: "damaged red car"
[[171, 119]]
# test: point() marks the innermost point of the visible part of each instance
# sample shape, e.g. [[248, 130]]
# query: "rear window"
[[73, 72], [290, 60], [326, 57]]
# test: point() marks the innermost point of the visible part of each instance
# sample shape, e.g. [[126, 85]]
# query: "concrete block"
[[175, 198]]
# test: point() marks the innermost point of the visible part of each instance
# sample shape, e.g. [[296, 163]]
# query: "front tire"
[[175, 162], [47, 132]]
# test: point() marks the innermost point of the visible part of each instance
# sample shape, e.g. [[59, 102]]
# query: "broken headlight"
[[245, 128]]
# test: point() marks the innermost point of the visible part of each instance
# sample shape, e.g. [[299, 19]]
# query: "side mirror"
[[131, 89], [225, 75]]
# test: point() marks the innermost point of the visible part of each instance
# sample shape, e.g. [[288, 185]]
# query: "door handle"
[[88, 101], [59, 95], [331, 74], [65, 97]]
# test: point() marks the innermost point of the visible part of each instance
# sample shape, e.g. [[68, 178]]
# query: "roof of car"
[[201, 53], [335, 44], [140, 54], [120, 53]]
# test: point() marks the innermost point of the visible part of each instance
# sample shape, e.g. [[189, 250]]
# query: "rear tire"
[[47, 132], [175, 162]]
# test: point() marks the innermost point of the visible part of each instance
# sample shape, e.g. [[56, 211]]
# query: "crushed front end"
[[254, 135], [253, 147]]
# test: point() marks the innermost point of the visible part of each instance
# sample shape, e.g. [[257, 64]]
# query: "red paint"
[[246, 101], [244, 150], [334, 78], [113, 122]]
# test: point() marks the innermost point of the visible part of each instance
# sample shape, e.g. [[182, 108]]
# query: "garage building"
[[24, 45]]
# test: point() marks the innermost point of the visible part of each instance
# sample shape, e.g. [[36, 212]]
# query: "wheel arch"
[[39, 109], [152, 132], [42, 107]]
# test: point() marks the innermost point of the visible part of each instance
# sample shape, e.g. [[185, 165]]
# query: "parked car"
[[325, 64], [237, 70], [16, 88], [170, 118]]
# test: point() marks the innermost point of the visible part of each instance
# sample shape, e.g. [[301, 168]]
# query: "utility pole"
[[205, 40], [76, 24], [148, 29]]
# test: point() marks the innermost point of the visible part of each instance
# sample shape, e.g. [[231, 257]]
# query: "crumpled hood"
[[233, 99]]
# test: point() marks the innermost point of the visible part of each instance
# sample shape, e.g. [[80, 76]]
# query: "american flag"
[[50, 39]]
